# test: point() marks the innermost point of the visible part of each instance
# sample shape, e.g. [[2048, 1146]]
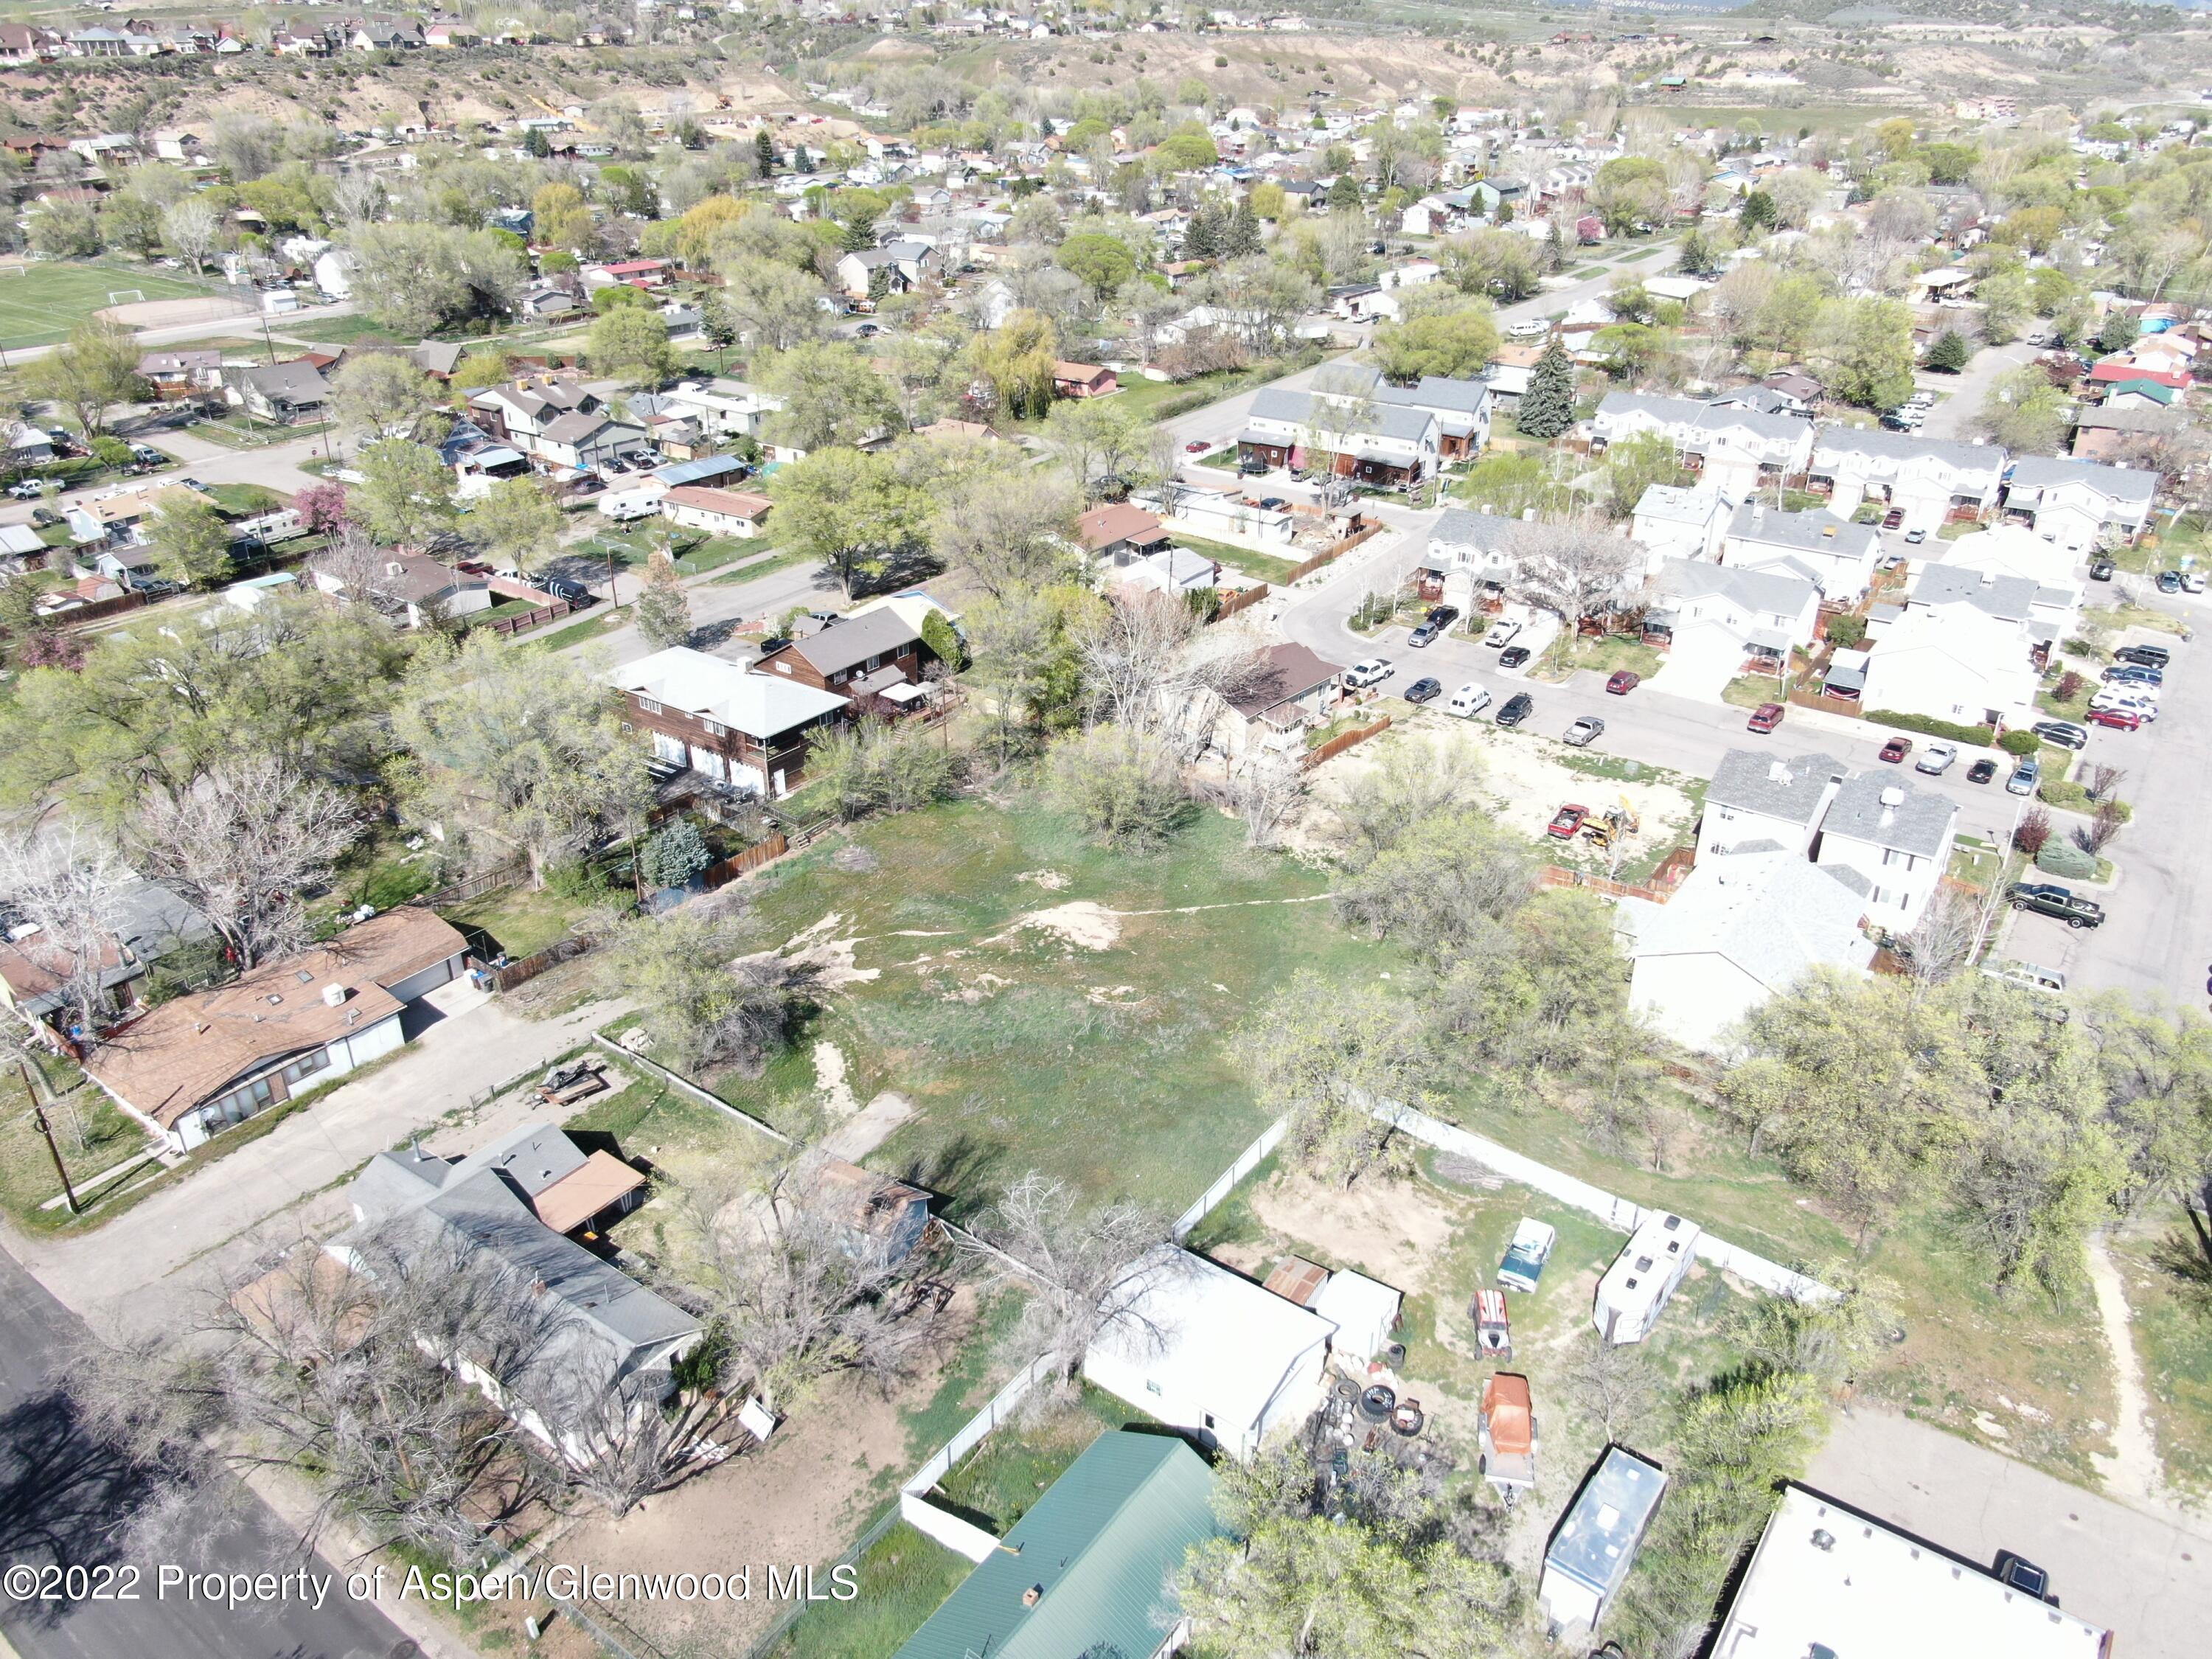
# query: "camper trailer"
[[1634, 1290]]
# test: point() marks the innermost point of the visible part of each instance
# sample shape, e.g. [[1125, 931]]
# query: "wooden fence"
[[100, 608], [522, 972], [469, 887], [1244, 601], [1344, 740], [1553, 875], [722, 874], [1330, 555], [522, 621]]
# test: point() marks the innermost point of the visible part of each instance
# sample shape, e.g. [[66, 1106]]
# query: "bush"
[[2060, 857], [883, 769], [1982, 736], [2019, 742], [2070, 797], [1846, 633], [676, 854], [2068, 687]]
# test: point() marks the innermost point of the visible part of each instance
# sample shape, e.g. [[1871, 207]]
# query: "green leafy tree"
[[97, 366], [1454, 344], [418, 278], [190, 539], [1103, 262], [1548, 407], [1344, 194], [1864, 349], [664, 608], [2023, 411], [633, 346], [854, 512], [1695, 257], [406, 493], [517, 523], [1121, 784], [380, 393], [882, 768], [831, 397]]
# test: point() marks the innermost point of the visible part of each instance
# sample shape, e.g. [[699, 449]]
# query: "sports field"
[[42, 305]]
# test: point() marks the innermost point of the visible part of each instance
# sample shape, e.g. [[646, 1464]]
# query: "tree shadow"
[[65, 1493], [2186, 1258], [962, 1165]]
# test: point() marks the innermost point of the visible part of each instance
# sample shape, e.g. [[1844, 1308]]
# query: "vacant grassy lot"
[[50, 297], [1047, 1005], [2168, 1276], [521, 922]]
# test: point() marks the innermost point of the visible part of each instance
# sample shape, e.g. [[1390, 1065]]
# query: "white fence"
[[946, 1527], [1247, 1161]]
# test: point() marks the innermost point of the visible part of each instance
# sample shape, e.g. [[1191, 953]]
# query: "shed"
[[1364, 1313], [1596, 1542]]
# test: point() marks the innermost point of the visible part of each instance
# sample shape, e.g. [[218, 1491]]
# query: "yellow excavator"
[[1614, 823]]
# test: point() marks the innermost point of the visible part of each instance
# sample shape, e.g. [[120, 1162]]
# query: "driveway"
[[1962, 394], [2148, 1578], [131, 1271]]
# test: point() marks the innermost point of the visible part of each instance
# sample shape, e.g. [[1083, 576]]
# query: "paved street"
[[1964, 393], [64, 1494], [2148, 1578]]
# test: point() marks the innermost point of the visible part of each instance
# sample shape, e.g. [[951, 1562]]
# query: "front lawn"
[[1750, 691], [247, 501], [1268, 567], [94, 1137], [1608, 656]]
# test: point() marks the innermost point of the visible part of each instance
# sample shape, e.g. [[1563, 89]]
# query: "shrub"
[[2070, 686], [2032, 832], [1982, 736], [676, 854], [2070, 797], [1846, 633], [2019, 742], [2060, 857]]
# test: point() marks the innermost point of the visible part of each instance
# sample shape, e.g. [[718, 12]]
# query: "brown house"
[[875, 657], [725, 721], [1082, 380]]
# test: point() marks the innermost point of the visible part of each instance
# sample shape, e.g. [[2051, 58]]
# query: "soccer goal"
[[122, 296], [14, 271]]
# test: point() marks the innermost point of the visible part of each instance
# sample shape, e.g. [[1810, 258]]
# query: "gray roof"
[[1461, 528], [1342, 379], [1300, 408], [1274, 403], [2120, 483], [1676, 505], [1688, 411], [296, 382], [705, 470], [577, 425], [851, 641], [1916, 824], [2010, 598], [1905, 446], [1438, 395], [1765, 399], [1817, 532], [2131, 420], [1766, 909], [1596, 1544], [1774, 591], [1747, 779]]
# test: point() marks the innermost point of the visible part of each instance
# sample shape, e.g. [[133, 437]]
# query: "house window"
[[237, 1106], [837, 678], [715, 728], [308, 1066], [1877, 896], [647, 706]]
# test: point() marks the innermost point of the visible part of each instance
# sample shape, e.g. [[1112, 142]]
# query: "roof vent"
[[334, 995], [1778, 772], [1032, 1595], [1823, 1539], [1828, 533]]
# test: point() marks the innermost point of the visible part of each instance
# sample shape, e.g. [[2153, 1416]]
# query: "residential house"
[[413, 588], [1735, 448], [2014, 551], [21, 549], [2117, 436], [725, 721], [1461, 408], [1089, 1567], [188, 373], [1955, 661], [2112, 374], [1894, 836], [1755, 799], [286, 394], [516, 414], [892, 269], [1672, 522], [2080, 505], [1289, 692], [1746, 925], [1375, 444], [196, 1065], [1594, 1545], [1507, 373], [20, 44], [1733, 620], [1082, 380], [1839, 556], [1830, 1578], [876, 658], [723, 512], [27, 446], [1930, 481], [1469, 560], [1172, 570], [608, 1355], [547, 300], [149, 923], [1119, 532], [587, 441], [1635, 1290], [114, 522], [1207, 1350]]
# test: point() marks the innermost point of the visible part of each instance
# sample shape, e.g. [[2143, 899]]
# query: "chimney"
[[1758, 512], [1828, 532], [1032, 1595]]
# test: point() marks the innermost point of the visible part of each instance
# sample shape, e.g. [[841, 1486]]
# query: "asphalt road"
[[63, 1494]]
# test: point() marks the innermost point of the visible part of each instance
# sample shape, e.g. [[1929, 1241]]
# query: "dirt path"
[[2133, 1472]]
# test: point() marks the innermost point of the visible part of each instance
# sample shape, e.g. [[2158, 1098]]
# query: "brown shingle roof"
[[1117, 521], [1288, 670], [733, 503], [184, 1051]]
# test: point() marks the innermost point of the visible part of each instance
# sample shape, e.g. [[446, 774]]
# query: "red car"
[[1196, 446], [1896, 749], [1623, 683], [1566, 821], [2120, 719], [1765, 718]]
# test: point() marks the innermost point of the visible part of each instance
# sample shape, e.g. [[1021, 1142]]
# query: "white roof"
[[1235, 1342], [20, 538], [1362, 1310], [1827, 1578], [1651, 1264], [758, 705]]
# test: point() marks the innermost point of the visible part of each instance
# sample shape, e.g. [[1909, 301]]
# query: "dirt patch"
[[1051, 880], [1394, 1232], [156, 314], [831, 1081], [1085, 926]]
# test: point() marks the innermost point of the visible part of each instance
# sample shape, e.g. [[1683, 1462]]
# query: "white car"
[[1935, 759], [1373, 671], [2192, 581], [2108, 704], [1504, 633]]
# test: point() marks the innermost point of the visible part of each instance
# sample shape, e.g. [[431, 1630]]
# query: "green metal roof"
[[1103, 1543]]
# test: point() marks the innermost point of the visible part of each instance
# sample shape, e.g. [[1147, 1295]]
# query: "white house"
[[1469, 557], [1927, 479], [1720, 616], [1733, 447], [1589, 1556], [723, 408], [2080, 505], [1372, 442], [1744, 926], [1635, 1290], [2015, 550], [1674, 523], [724, 512], [1363, 1310], [1205, 1350], [1756, 797], [1895, 836], [1952, 662], [1839, 556]]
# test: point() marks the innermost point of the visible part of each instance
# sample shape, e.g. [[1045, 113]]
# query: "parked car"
[[1916, 536], [1424, 635], [2102, 571], [2065, 733], [2150, 656], [1525, 1256], [149, 454], [2120, 719], [1503, 633], [1583, 732], [2134, 673], [2025, 776], [1443, 615], [1513, 656], [2192, 581], [1373, 671], [1765, 718], [1893, 518], [2045, 898], [1468, 701], [1516, 708], [1981, 770], [1937, 759], [2169, 581], [1623, 681], [1196, 446], [561, 588], [1271, 503], [27, 491], [1566, 822], [1896, 750], [1423, 689]]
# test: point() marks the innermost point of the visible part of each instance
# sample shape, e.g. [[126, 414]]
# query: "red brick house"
[[875, 658], [1082, 380], [726, 722]]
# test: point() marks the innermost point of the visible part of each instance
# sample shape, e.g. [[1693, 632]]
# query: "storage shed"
[[1364, 1313]]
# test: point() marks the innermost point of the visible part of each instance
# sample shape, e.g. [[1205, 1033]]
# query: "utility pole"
[[39, 1117]]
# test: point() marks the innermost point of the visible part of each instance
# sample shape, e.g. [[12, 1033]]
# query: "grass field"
[[40, 306]]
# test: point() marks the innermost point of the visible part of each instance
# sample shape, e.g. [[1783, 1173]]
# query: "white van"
[[2049, 980], [1467, 701]]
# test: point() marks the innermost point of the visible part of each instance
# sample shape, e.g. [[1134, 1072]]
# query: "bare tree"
[[1943, 942], [1264, 787], [1612, 1386], [1571, 568], [363, 570], [1008, 527], [1085, 1268], [2106, 823], [1414, 780], [241, 844], [70, 888], [2103, 779], [1148, 661]]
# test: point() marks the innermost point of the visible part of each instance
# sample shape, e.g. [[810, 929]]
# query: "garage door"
[[1703, 658]]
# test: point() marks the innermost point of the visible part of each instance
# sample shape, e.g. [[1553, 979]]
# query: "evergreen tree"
[[763, 152], [1244, 235], [1504, 214], [1697, 259], [535, 142], [1344, 193], [664, 608], [800, 160], [1950, 353], [1555, 246], [1203, 240], [676, 854], [1548, 408], [1759, 212]]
